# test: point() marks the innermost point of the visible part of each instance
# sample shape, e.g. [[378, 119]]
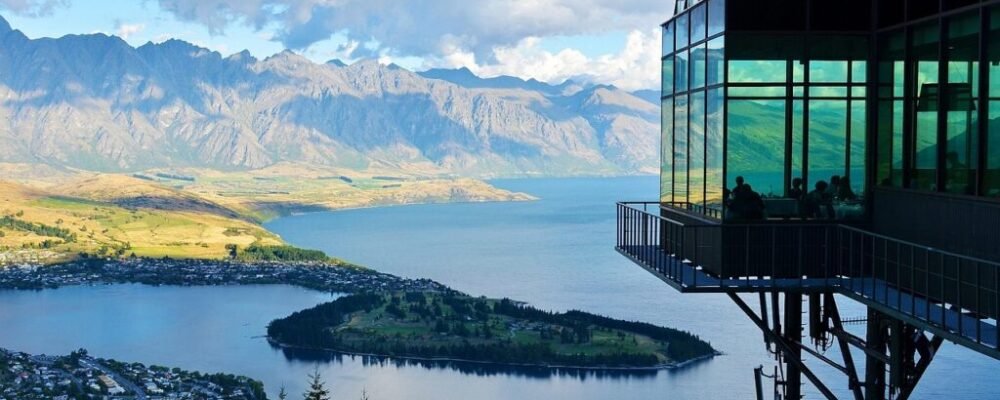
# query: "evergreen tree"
[[316, 391], [282, 395]]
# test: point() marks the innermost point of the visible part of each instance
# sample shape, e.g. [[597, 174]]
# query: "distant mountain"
[[650, 95], [94, 102], [465, 78]]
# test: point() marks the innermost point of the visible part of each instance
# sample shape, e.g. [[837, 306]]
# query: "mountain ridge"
[[94, 102]]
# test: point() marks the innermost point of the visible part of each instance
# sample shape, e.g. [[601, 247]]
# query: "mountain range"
[[94, 102]]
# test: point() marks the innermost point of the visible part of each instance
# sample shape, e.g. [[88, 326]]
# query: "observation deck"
[[951, 295]]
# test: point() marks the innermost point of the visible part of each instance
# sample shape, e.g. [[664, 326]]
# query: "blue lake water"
[[556, 253]]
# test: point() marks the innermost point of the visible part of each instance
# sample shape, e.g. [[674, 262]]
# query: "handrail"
[[920, 282], [815, 225], [925, 247]]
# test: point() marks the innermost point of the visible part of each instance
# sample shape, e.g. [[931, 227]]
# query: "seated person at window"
[[818, 204], [740, 186], [746, 203], [796, 192], [834, 187], [844, 191]]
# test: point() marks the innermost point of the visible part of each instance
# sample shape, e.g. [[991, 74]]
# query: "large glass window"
[[681, 32], [891, 84], [713, 150], [667, 77], [798, 134], [716, 61], [716, 16], [827, 140], [828, 71], [668, 38], [666, 149], [960, 103], [755, 138], [924, 53], [698, 61], [681, 149], [858, 156], [757, 71], [696, 149], [991, 177], [681, 71], [698, 23]]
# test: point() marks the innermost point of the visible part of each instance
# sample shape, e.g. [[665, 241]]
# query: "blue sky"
[[605, 41]]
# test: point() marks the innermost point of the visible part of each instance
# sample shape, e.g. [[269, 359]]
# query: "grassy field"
[[109, 229], [195, 213]]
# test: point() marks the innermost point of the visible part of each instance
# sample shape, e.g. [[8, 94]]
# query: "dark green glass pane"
[[667, 77], [713, 150], [716, 61], [698, 65], [696, 149], [666, 149]]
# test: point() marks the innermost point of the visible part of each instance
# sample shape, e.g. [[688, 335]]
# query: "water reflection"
[[470, 368]]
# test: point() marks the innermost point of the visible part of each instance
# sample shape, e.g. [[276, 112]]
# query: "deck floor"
[[887, 296], [686, 277]]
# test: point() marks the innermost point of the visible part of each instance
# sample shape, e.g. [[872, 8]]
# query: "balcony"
[[953, 295]]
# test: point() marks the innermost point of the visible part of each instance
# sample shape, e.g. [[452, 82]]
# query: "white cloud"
[[490, 37], [636, 66], [32, 8], [124, 30], [423, 27]]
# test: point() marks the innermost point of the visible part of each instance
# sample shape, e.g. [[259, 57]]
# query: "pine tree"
[[364, 394], [317, 391], [282, 395]]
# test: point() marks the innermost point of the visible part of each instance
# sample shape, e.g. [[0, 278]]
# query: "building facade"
[[813, 148]]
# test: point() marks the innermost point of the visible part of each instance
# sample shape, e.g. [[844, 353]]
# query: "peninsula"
[[454, 326]]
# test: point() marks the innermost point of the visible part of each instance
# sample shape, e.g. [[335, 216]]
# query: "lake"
[[556, 253]]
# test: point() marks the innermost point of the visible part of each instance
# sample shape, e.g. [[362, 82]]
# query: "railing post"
[[827, 251], [958, 295], [899, 279]]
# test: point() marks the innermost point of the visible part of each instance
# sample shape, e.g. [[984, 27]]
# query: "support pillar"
[[875, 388], [793, 333]]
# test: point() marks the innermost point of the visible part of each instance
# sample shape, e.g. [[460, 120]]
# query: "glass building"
[[820, 148], [855, 94]]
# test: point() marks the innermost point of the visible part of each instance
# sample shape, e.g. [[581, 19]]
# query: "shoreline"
[[658, 367]]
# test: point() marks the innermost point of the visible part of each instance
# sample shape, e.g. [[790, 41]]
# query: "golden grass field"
[[195, 213]]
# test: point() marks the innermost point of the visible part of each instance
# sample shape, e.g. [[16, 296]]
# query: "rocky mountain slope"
[[93, 102]]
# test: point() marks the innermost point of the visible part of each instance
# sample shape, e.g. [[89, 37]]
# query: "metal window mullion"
[[942, 111]]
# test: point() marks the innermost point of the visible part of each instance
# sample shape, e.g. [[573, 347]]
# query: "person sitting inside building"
[[844, 191], [796, 192], [818, 204], [746, 203], [740, 186], [834, 187]]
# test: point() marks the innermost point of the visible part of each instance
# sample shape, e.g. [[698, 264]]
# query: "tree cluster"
[[11, 222]]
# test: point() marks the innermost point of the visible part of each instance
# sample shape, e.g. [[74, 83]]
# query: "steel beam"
[[921, 367], [784, 347], [845, 349]]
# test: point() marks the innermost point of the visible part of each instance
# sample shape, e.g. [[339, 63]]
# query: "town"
[[80, 376], [321, 276]]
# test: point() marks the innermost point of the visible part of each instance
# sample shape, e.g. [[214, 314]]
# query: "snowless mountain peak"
[[94, 102]]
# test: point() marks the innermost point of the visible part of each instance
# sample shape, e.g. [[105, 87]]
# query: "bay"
[[556, 253]]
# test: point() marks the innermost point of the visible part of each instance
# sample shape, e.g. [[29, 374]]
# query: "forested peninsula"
[[453, 326]]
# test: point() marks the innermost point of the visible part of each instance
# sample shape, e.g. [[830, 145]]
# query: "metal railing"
[[917, 281]]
